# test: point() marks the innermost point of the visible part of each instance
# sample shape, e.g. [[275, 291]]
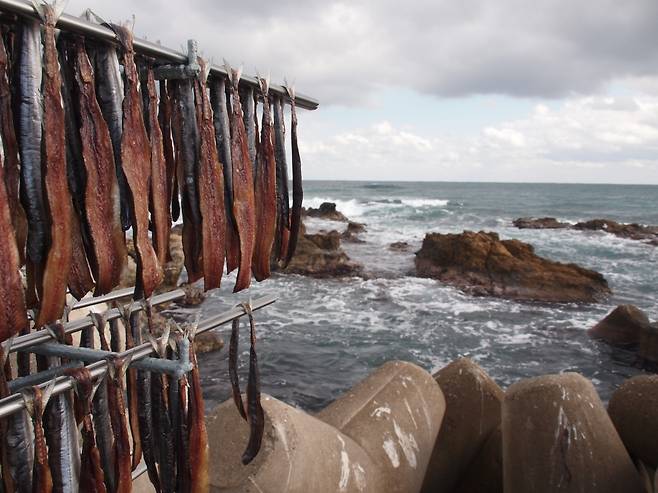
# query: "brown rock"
[[539, 223], [648, 349], [633, 409], [399, 246], [320, 255], [632, 231], [621, 327], [353, 231], [194, 295], [327, 210], [208, 342], [482, 264], [485, 473], [473, 402], [557, 437]]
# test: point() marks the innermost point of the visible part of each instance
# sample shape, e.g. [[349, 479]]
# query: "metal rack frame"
[[81, 26]]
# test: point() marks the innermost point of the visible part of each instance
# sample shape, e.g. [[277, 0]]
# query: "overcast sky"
[[476, 90]]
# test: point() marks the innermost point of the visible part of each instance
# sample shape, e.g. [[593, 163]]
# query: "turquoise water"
[[322, 336]]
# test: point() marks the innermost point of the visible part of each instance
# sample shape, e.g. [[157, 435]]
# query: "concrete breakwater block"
[[648, 351], [621, 327], [473, 403], [633, 409], [299, 454], [485, 473], [557, 437], [394, 414]]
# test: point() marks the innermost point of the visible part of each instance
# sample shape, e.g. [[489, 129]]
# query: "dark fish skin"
[[249, 113], [211, 191], [42, 481], [164, 117], [136, 164], [109, 91], [29, 119], [12, 167], [233, 367], [160, 197], [116, 403], [265, 188], [146, 427], [186, 139], [58, 261], [244, 207], [7, 484], [219, 101], [183, 475], [283, 206], [13, 314], [255, 415], [297, 188], [101, 191], [198, 435], [91, 472]]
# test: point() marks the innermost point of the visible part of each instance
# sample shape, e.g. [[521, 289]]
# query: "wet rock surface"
[[353, 231], [481, 264], [327, 210], [632, 231], [399, 246], [621, 327]]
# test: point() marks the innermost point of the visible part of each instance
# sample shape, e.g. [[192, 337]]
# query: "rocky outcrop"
[[320, 255], [483, 265], [557, 436], [539, 223], [621, 327], [631, 231], [353, 231], [399, 246], [633, 409], [473, 402], [327, 210]]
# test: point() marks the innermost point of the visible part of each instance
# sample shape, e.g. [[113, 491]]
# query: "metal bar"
[[81, 26], [43, 376], [114, 295], [15, 402], [40, 336]]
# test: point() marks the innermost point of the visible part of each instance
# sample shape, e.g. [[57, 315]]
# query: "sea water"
[[324, 335]]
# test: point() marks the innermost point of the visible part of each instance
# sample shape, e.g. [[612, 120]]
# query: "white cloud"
[[615, 137]]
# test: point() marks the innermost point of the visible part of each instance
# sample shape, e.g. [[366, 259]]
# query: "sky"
[[443, 90]]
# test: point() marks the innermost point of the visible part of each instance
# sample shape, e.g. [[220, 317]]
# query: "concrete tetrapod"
[[485, 473], [394, 414], [473, 402], [299, 454], [557, 437], [633, 409]]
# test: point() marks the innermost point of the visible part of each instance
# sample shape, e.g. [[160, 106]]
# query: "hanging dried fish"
[[91, 471], [198, 435], [266, 198], [109, 91], [101, 192], [283, 205], [12, 169], [136, 164], [7, 485], [58, 261], [160, 201], [80, 278], [233, 367], [220, 107], [13, 315], [255, 414], [29, 115], [297, 190], [187, 143], [184, 467], [211, 189], [164, 116], [116, 369], [35, 402], [249, 113], [243, 187]]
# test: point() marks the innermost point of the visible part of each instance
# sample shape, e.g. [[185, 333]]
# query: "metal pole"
[[15, 402], [81, 26], [114, 295]]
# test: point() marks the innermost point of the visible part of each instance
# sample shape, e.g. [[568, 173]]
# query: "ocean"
[[324, 335]]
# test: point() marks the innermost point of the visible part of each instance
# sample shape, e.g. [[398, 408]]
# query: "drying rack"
[[44, 341]]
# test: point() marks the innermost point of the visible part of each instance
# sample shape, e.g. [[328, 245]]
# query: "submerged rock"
[[327, 210], [473, 402], [621, 327], [539, 223], [320, 255], [633, 409], [353, 231], [483, 265], [558, 437], [399, 246]]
